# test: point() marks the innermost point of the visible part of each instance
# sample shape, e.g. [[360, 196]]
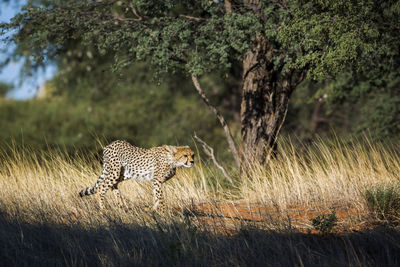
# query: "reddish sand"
[[230, 217]]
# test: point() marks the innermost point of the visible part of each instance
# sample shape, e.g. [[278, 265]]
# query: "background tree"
[[4, 89], [349, 105], [276, 43]]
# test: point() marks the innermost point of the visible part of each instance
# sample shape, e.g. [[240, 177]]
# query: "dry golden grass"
[[49, 184], [325, 173], [44, 221]]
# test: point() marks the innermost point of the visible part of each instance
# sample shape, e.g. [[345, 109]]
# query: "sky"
[[25, 87]]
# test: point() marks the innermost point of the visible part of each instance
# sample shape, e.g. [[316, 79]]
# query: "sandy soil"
[[233, 216]]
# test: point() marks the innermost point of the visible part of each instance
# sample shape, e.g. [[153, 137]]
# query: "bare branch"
[[210, 152], [192, 18], [221, 119], [134, 11]]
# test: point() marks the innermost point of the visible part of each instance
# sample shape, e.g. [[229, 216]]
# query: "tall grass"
[[49, 184], [323, 173], [44, 222]]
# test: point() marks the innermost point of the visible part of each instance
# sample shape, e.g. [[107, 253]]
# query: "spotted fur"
[[122, 161]]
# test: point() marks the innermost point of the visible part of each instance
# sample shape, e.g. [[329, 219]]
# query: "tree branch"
[[210, 152], [221, 119], [134, 11]]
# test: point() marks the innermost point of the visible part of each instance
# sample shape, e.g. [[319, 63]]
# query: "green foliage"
[[351, 48], [377, 99], [325, 223], [349, 104], [382, 114], [383, 201], [200, 37], [146, 119], [334, 34], [159, 35]]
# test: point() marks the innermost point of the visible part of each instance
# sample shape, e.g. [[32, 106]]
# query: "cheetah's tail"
[[88, 191], [91, 190]]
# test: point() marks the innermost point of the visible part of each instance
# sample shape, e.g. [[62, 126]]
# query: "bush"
[[383, 201], [325, 223]]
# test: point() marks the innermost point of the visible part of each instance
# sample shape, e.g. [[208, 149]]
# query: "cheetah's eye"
[[185, 156]]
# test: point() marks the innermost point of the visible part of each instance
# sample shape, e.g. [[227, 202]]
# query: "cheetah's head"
[[182, 156]]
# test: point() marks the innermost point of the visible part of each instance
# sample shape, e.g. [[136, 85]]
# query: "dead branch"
[[134, 11], [221, 119], [210, 153]]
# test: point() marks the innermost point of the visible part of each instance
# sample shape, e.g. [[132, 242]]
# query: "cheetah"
[[122, 161]]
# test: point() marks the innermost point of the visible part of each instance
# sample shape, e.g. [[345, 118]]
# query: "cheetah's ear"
[[171, 149]]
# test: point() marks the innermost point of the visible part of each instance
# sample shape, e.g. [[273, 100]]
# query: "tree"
[[376, 97], [4, 89], [277, 43]]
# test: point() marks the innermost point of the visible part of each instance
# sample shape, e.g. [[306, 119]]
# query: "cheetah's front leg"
[[158, 195]]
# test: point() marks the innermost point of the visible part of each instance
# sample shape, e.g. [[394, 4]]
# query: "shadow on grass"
[[180, 244]]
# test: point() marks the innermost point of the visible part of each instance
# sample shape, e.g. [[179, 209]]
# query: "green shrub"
[[325, 222], [383, 201]]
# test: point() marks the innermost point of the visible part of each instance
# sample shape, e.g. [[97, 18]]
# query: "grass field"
[[209, 222]]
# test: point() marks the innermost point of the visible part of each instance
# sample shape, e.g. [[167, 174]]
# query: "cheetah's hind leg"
[[120, 199], [112, 179], [117, 193]]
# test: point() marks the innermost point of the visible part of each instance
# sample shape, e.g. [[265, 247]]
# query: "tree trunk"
[[265, 98]]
